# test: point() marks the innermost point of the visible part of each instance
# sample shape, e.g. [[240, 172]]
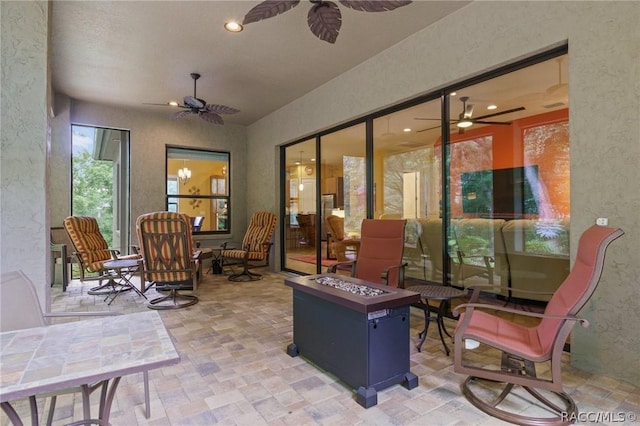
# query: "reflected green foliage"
[[93, 191]]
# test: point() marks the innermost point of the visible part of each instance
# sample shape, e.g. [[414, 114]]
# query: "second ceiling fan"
[[465, 119], [196, 106]]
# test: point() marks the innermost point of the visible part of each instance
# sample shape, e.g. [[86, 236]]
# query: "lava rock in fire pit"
[[360, 290]]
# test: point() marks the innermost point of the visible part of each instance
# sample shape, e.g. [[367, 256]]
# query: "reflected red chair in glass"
[[524, 347]]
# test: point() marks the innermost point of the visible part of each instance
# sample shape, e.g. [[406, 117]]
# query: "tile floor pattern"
[[234, 370]]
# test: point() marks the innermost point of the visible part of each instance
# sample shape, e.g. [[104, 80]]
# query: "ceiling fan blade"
[[374, 6], [324, 20], [495, 114], [211, 117], [221, 109], [193, 102], [164, 104], [268, 9], [433, 119], [427, 129], [506, 123], [180, 114]]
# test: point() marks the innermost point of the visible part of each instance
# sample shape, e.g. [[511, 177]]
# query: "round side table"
[[443, 294]]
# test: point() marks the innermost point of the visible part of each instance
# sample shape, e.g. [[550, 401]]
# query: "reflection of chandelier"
[[184, 174]]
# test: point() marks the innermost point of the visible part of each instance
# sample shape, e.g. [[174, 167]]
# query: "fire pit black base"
[[363, 340]]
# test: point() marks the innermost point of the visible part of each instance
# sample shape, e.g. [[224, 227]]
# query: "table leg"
[[65, 267], [147, 405], [11, 413], [106, 409], [440, 322], [427, 319], [34, 411], [124, 278]]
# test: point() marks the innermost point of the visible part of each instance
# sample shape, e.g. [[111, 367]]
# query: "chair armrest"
[[484, 306], [267, 250], [477, 288], [334, 266], [385, 273]]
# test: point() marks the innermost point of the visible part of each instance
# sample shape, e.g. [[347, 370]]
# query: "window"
[[100, 183], [198, 185]]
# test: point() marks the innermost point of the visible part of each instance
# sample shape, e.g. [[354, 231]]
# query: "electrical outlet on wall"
[[602, 221]]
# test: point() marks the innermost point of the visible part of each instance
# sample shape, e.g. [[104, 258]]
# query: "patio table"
[[91, 352]]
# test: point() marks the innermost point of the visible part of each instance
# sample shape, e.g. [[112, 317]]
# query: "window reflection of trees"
[[355, 202], [395, 167]]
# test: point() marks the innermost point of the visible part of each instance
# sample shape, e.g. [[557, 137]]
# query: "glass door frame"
[[444, 95]]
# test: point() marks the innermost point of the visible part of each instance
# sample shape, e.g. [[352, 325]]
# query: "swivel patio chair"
[[523, 347], [256, 246], [169, 260], [380, 255], [92, 251]]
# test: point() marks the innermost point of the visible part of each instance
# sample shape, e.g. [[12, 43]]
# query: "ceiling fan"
[[560, 85], [465, 119], [324, 18], [197, 106]]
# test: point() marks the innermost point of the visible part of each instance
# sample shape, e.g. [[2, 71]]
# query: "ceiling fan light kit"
[[324, 18], [465, 119]]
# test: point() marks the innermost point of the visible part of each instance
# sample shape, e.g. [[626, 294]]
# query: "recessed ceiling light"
[[233, 26], [492, 106], [407, 130], [453, 93], [313, 159], [173, 103]]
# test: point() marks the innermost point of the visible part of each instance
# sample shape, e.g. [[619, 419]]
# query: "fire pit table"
[[354, 329]]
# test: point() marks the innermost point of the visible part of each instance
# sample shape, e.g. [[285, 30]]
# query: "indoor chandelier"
[[184, 174]]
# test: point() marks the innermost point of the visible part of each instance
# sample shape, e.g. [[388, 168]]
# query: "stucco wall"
[[604, 95], [24, 141], [149, 133]]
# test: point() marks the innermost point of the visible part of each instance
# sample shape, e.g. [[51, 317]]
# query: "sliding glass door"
[[301, 215], [407, 183], [480, 172], [344, 192]]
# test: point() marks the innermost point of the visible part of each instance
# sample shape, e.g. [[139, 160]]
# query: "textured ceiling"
[[130, 53]]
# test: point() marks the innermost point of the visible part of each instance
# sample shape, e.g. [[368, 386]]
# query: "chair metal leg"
[[174, 297], [245, 275], [562, 413]]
